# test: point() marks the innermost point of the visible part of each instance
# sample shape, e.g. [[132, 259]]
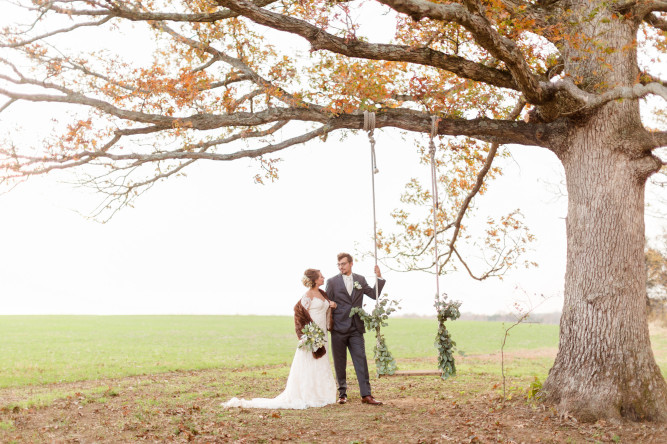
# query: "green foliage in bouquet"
[[313, 337], [385, 364], [447, 310]]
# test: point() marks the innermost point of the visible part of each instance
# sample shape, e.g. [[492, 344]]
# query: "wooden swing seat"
[[415, 373]]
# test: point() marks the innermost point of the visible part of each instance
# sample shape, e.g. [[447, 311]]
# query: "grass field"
[[111, 379], [52, 349]]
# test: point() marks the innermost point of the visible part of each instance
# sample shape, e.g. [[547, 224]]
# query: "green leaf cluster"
[[313, 337], [385, 364], [447, 310], [535, 389]]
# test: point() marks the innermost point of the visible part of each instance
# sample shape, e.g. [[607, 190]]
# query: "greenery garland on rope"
[[385, 364], [447, 310]]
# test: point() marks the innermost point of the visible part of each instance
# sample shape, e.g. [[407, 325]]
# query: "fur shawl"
[[302, 318]]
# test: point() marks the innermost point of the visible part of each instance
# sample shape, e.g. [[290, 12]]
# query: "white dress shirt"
[[349, 283]]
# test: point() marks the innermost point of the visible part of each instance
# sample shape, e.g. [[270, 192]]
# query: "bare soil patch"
[[184, 407]]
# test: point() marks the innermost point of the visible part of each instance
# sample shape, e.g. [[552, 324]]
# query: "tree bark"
[[605, 367]]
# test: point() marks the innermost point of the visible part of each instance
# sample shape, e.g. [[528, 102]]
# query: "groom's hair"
[[345, 255]]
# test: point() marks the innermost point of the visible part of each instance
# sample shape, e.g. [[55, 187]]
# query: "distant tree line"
[[656, 280]]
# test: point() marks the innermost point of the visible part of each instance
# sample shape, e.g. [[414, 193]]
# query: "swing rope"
[[434, 196], [446, 310], [384, 361], [369, 127]]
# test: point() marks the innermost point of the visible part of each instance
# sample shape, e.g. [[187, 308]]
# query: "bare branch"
[[229, 81], [240, 135], [478, 183], [56, 32], [86, 157], [320, 39], [472, 275], [22, 163], [443, 258], [7, 105]]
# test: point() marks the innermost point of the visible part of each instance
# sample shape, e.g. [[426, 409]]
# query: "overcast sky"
[[215, 242]]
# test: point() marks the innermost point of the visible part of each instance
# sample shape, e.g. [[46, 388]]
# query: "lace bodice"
[[317, 308]]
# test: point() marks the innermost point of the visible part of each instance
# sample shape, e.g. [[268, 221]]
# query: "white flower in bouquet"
[[357, 285], [313, 337]]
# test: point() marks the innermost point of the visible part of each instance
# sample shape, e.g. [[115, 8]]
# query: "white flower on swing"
[[357, 285]]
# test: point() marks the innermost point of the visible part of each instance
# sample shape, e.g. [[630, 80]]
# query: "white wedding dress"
[[310, 382]]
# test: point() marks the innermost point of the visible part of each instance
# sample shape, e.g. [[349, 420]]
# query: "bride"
[[310, 382]]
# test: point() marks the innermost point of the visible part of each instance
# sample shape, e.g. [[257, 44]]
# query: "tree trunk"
[[605, 366]]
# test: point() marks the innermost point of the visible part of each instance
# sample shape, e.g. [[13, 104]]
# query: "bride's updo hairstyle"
[[309, 277]]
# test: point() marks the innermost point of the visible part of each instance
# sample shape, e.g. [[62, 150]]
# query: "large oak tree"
[[559, 74]]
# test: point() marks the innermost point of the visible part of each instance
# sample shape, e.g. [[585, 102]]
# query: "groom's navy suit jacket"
[[336, 292]]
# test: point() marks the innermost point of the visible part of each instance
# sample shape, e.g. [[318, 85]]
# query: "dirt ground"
[[185, 407]]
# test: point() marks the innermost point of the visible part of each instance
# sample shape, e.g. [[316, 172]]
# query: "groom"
[[347, 290]]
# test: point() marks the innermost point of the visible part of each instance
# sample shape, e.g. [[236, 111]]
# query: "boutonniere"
[[357, 285]]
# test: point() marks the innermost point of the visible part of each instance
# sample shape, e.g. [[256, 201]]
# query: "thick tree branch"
[[656, 22], [590, 101], [647, 78], [320, 39], [119, 10], [649, 6], [659, 138], [500, 131], [473, 19]]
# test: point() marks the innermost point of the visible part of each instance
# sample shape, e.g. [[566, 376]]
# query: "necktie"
[[348, 284]]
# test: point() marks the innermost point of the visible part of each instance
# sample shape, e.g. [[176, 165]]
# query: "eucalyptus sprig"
[[447, 310], [313, 337], [385, 364]]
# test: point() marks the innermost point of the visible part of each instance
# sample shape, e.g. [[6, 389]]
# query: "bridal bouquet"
[[313, 337]]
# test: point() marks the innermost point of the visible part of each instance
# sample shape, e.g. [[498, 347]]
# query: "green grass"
[[39, 350], [413, 338], [46, 349]]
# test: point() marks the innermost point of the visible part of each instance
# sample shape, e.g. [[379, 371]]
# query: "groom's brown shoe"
[[342, 400], [370, 400]]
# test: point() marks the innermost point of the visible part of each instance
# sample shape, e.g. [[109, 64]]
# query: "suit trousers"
[[353, 340]]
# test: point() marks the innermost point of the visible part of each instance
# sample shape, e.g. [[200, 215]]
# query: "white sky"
[[216, 243]]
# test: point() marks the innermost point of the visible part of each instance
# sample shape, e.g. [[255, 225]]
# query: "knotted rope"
[[369, 127], [434, 195]]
